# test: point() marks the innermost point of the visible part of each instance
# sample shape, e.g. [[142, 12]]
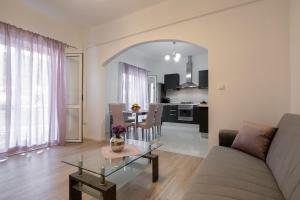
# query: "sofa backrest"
[[284, 156]]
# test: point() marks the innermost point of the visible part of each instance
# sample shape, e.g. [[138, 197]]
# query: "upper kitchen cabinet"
[[203, 79], [171, 81]]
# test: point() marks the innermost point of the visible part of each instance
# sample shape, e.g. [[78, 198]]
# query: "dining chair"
[[116, 112], [148, 124], [157, 119], [128, 117]]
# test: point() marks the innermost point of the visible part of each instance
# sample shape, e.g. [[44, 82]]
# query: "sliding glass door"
[[32, 91], [73, 63]]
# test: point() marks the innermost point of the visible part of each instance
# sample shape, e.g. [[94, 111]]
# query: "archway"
[[149, 55], [146, 42], [238, 52]]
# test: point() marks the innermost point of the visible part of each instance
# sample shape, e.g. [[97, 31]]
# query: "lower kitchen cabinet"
[[200, 116], [203, 119], [170, 113], [195, 115]]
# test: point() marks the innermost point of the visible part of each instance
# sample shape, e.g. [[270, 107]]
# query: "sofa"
[[229, 174]]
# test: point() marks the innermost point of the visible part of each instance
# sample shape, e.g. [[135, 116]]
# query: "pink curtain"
[[32, 90], [133, 86]]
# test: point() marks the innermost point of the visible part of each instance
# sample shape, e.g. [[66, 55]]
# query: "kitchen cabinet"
[[170, 113], [203, 119], [203, 79], [195, 115], [171, 81], [200, 116]]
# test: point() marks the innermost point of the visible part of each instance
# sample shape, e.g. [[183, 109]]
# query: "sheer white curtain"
[[133, 86], [32, 87]]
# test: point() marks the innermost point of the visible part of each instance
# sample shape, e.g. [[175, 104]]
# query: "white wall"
[[16, 13], [295, 55], [168, 12], [248, 52]]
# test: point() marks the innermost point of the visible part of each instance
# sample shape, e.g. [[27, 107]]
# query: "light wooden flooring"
[[43, 176]]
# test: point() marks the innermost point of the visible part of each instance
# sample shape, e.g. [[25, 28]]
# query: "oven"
[[185, 113]]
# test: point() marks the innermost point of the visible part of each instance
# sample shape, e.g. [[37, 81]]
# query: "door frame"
[[80, 107], [155, 88]]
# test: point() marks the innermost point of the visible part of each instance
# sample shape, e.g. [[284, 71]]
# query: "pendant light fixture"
[[175, 56]]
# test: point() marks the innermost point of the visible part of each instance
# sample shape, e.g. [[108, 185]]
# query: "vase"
[[117, 143]]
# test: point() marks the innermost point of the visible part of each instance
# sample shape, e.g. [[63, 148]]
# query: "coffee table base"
[[89, 183], [155, 170], [82, 183]]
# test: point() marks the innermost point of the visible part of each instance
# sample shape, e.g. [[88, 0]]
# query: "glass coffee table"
[[94, 169]]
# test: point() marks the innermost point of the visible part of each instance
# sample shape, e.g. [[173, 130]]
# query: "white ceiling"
[[155, 51], [87, 13]]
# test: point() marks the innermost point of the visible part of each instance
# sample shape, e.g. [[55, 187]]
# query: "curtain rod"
[[172, 24], [134, 66], [37, 34]]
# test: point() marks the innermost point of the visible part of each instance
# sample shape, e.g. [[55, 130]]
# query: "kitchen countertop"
[[202, 105], [192, 104]]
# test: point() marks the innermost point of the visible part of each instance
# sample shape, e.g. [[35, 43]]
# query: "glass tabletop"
[[93, 161], [135, 112]]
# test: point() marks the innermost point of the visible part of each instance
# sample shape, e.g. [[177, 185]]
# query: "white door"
[[73, 66]]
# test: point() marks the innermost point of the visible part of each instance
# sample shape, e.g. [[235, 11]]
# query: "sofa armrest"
[[226, 137]]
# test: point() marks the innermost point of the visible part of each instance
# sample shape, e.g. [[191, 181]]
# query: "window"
[[133, 86], [31, 89]]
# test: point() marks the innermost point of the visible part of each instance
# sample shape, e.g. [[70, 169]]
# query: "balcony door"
[[73, 66]]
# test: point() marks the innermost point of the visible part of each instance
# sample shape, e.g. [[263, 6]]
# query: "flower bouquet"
[[135, 107]]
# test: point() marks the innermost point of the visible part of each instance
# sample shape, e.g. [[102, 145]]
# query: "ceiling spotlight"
[[176, 59], [178, 55], [167, 57], [175, 56]]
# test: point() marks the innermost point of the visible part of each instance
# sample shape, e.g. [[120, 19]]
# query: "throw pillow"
[[254, 139]]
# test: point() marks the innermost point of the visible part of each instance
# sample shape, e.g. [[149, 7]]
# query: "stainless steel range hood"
[[189, 72]]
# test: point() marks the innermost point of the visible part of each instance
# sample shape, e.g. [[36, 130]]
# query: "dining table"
[[136, 118]]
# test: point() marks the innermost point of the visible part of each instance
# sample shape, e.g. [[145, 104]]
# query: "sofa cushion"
[[231, 174], [284, 156], [254, 139]]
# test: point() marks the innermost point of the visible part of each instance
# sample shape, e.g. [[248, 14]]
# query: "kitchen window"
[[133, 86]]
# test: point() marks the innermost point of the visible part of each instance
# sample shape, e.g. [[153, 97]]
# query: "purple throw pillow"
[[254, 139]]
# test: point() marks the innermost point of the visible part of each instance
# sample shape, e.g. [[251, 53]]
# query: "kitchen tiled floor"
[[183, 139]]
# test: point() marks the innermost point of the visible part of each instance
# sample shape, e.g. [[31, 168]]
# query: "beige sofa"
[[229, 174]]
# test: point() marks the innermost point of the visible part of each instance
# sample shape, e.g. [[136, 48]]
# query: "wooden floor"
[[43, 176]]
